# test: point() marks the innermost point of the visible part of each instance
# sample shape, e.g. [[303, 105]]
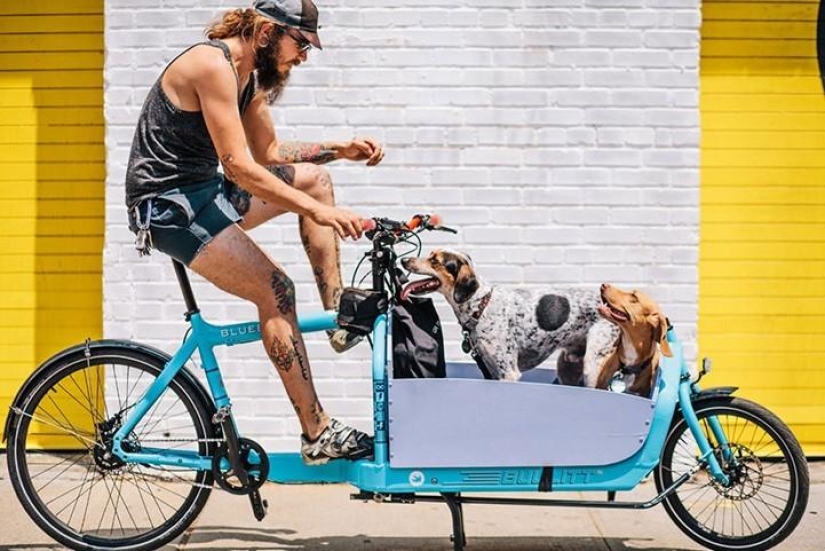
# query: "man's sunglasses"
[[302, 43]]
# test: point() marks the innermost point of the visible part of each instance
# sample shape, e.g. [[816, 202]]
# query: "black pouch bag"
[[359, 308], [417, 340]]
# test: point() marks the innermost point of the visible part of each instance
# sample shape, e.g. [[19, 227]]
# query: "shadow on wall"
[[820, 41]]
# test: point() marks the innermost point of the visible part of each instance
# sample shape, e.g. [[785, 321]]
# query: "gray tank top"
[[172, 147]]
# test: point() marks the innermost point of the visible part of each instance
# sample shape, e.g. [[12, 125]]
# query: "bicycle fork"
[[706, 451]]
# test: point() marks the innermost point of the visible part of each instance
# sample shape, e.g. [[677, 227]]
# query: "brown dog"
[[643, 326]]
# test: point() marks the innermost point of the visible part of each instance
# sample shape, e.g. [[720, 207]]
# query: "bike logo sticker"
[[416, 479]]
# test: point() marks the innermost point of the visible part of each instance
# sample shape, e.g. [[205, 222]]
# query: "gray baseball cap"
[[298, 14]]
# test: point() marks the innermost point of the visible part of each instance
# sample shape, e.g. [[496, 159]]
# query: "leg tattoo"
[[284, 291], [281, 354], [304, 236], [320, 280], [317, 412], [300, 357], [239, 198], [285, 173]]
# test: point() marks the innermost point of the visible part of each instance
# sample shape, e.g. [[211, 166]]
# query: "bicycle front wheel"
[[768, 489], [64, 473]]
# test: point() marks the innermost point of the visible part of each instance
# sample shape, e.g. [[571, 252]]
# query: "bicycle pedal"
[[259, 506]]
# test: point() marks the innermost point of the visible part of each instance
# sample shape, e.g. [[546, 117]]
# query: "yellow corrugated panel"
[[51, 42], [762, 243], [51, 214], [755, 84], [45, 80], [764, 103], [730, 176], [729, 47], [790, 139]]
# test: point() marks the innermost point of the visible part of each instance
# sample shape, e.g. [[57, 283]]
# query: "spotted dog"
[[514, 330]]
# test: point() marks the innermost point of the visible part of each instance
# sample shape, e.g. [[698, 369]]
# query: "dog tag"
[[466, 347], [617, 383]]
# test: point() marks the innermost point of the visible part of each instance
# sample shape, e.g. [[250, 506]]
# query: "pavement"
[[316, 518]]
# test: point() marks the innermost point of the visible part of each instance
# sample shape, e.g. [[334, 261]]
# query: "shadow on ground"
[[230, 538]]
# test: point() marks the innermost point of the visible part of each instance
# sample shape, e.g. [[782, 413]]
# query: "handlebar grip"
[[368, 224]]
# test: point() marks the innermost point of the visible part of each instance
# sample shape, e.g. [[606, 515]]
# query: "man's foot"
[[342, 340], [338, 441]]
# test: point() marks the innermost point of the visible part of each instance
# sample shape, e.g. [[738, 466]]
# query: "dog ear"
[[465, 285], [660, 335]]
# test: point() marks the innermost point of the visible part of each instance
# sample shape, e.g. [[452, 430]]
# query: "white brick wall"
[[560, 136]]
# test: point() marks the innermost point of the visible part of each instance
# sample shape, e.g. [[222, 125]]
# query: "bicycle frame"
[[377, 475]]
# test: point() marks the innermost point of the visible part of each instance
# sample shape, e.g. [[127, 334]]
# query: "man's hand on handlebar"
[[416, 224], [345, 222]]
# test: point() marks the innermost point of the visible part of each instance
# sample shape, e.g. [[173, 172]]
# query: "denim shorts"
[[183, 220]]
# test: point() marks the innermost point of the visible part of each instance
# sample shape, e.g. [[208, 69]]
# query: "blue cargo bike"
[[116, 446]]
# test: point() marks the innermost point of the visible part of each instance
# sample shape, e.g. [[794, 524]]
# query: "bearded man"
[[210, 106]]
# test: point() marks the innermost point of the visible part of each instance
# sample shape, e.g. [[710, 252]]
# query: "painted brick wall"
[[561, 137]]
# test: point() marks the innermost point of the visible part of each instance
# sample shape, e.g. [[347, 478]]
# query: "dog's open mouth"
[[610, 312], [420, 287]]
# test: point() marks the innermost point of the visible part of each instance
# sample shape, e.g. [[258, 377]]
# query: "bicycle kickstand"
[[259, 506], [458, 537]]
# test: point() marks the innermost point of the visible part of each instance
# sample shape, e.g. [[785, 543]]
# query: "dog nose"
[[605, 287], [406, 263]]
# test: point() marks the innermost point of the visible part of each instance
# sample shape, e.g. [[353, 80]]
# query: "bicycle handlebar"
[[372, 226]]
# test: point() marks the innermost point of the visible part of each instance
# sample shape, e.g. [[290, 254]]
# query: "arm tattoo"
[[302, 152], [226, 161]]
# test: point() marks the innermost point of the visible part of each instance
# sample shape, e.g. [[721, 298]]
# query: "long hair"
[[244, 23]]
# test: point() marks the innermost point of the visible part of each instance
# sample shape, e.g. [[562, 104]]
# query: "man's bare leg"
[[256, 277], [321, 244]]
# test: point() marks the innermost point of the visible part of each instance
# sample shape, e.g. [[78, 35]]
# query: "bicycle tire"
[[769, 473], [130, 487]]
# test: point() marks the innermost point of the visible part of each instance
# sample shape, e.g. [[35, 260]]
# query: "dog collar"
[[476, 314], [635, 369]]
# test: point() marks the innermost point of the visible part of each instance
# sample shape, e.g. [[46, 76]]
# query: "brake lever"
[[400, 276], [446, 229]]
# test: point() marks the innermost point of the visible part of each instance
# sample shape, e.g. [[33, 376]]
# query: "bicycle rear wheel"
[[768, 489], [64, 474]]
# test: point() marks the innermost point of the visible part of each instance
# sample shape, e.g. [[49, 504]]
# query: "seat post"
[[186, 289]]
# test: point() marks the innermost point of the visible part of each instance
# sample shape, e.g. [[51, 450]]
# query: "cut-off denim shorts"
[[181, 221]]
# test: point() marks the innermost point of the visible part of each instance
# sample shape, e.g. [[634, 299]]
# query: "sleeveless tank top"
[[171, 147]]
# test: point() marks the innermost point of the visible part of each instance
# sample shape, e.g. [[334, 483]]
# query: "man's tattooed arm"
[[303, 152]]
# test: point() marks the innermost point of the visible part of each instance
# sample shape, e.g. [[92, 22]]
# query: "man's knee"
[[320, 184]]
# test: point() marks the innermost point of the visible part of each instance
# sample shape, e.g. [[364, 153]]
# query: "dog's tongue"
[[421, 286]]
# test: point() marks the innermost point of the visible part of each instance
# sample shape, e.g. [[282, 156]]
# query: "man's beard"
[[269, 78]]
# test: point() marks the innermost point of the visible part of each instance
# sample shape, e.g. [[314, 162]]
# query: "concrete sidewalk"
[[314, 518]]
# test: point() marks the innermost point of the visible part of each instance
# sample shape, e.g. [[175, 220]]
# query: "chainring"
[[257, 473]]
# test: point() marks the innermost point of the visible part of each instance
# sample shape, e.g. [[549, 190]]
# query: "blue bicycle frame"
[[377, 475]]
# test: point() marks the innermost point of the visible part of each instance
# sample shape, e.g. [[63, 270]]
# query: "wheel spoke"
[[91, 492], [761, 466]]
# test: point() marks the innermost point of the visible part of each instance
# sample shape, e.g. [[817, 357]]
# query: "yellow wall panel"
[[52, 152], [762, 242]]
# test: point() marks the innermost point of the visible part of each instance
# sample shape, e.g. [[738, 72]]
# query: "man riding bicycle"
[[209, 106]]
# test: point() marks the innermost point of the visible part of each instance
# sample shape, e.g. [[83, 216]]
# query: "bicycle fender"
[[706, 394], [80, 351], [715, 392]]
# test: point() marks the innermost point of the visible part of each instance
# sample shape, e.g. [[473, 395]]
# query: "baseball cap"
[[298, 14]]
